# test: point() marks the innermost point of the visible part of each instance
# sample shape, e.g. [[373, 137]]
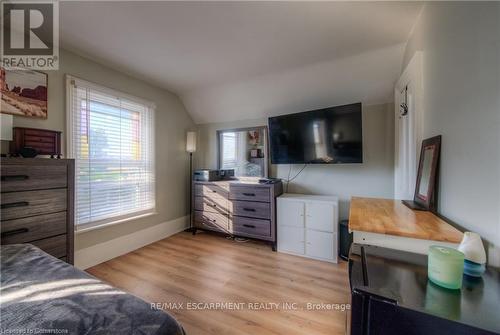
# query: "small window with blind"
[[111, 138]]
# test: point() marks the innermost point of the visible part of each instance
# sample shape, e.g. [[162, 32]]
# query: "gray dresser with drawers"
[[37, 203], [243, 208]]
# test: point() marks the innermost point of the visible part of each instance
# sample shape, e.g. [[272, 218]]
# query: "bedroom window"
[[229, 153], [111, 138]]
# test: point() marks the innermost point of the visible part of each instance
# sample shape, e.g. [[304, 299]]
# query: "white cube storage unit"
[[307, 225]]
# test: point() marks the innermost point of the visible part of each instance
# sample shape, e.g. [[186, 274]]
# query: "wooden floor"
[[207, 268]]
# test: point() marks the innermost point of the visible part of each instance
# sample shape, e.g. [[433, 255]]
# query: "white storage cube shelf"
[[307, 226]]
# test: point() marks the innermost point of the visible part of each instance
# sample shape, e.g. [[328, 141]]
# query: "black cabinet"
[[391, 295]]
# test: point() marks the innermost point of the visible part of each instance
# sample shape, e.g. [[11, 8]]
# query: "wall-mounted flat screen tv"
[[325, 136]]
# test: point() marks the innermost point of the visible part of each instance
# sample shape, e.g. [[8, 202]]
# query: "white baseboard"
[[102, 252]]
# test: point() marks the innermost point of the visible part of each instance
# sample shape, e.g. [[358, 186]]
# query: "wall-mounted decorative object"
[[254, 137], [24, 93], [475, 256], [41, 141], [403, 108], [427, 178]]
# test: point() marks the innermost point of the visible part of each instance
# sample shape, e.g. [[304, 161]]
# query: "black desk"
[[392, 295]]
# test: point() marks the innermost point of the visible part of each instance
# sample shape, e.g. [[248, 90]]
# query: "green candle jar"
[[445, 267]]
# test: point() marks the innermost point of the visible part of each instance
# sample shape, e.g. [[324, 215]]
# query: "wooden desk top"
[[391, 217]]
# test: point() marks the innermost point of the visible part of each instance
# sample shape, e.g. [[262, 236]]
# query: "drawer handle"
[[214, 205], [249, 225], [249, 194], [214, 191], [15, 232], [249, 209], [15, 204], [15, 177]]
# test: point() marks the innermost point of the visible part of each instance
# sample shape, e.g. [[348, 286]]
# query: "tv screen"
[[325, 136]]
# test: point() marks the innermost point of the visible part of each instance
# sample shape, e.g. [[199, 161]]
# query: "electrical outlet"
[[494, 256]]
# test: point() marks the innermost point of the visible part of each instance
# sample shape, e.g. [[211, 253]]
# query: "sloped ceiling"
[[245, 60]]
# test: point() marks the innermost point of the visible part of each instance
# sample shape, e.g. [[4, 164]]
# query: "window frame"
[[71, 81], [408, 128]]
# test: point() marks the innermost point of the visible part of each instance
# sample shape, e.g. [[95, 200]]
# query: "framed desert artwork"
[[24, 93]]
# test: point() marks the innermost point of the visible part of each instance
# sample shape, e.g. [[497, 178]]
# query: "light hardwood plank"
[[392, 217], [209, 268]]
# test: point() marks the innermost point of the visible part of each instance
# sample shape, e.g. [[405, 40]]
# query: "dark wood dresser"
[[243, 208], [37, 203]]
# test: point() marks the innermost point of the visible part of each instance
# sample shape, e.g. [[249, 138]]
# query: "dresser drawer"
[[251, 209], [33, 228], [217, 205], [55, 246], [251, 227], [249, 193], [23, 204], [210, 191], [32, 177], [212, 221]]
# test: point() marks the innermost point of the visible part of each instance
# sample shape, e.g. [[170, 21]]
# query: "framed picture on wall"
[[24, 93]]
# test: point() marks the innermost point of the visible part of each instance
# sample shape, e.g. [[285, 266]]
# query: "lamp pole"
[[191, 193], [191, 147]]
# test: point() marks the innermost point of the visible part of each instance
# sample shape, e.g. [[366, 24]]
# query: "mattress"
[[42, 294]]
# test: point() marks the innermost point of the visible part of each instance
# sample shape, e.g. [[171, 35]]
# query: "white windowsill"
[[112, 223]]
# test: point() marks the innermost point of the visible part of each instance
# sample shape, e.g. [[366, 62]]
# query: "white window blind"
[[229, 154], [111, 138]]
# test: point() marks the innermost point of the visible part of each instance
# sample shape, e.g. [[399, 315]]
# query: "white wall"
[[171, 121], [461, 73], [367, 77], [373, 178]]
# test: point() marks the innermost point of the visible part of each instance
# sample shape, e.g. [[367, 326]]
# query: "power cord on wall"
[[288, 180]]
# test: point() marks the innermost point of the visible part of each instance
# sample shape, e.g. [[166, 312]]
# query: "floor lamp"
[[190, 148]]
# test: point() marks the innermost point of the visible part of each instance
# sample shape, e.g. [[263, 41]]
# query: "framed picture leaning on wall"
[[426, 190]]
